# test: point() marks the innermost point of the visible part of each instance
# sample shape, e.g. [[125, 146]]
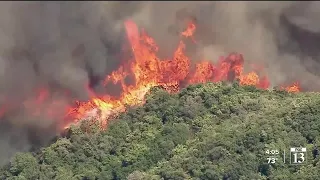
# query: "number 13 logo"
[[298, 157]]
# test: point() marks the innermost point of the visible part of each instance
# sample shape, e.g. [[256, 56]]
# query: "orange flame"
[[295, 87], [191, 29], [148, 71]]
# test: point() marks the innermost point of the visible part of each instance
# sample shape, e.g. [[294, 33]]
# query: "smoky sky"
[[69, 45]]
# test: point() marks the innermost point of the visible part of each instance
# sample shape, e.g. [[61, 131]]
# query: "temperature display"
[[272, 160]]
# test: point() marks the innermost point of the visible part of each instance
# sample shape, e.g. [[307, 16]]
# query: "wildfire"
[[148, 71], [295, 87]]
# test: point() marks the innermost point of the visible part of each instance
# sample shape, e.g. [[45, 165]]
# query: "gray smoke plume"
[[59, 45], [69, 45]]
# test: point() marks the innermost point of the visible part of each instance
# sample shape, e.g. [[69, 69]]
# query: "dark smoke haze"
[[67, 45]]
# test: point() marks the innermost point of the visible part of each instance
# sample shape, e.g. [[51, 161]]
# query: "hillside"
[[206, 131]]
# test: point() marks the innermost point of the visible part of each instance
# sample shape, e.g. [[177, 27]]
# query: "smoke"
[[61, 46], [255, 29], [69, 45]]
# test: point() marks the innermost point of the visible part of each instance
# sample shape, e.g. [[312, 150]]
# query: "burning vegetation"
[[147, 70]]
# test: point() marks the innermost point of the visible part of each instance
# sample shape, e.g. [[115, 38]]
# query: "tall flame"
[[148, 70]]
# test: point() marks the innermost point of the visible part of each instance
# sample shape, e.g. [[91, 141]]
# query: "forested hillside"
[[207, 131]]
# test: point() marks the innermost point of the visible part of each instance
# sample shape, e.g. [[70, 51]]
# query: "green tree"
[[207, 131]]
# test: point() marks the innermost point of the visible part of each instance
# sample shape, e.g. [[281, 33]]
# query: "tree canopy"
[[206, 131]]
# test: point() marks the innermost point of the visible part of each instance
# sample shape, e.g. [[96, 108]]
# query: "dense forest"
[[206, 131]]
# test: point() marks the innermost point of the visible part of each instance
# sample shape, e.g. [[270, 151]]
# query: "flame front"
[[148, 70]]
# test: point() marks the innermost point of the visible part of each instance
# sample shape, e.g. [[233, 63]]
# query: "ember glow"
[[148, 70]]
